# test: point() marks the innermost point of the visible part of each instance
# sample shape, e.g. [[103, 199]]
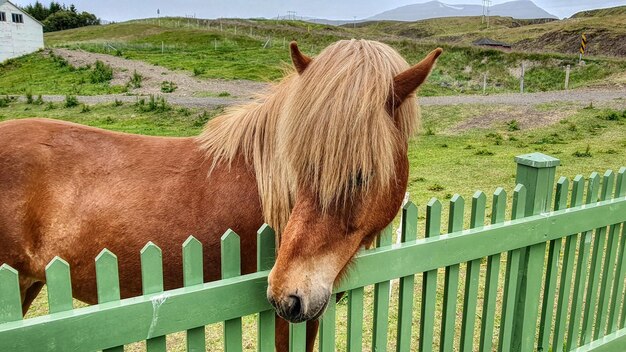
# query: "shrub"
[[168, 86], [50, 106], [118, 102], [85, 108], [4, 102], [226, 94], [29, 97], [101, 73], [201, 119], [135, 80], [512, 125], [483, 152], [71, 101], [197, 71], [436, 187], [585, 154], [39, 100], [153, 105]]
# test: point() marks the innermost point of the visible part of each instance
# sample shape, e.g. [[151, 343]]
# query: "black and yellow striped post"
[[583, 46]]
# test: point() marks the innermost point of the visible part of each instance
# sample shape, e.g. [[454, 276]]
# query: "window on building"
[[17, 18], [3, 17]]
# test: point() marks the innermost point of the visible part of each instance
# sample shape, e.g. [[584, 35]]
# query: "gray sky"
[[120, 10]]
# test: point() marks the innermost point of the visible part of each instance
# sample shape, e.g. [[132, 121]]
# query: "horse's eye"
[[358, 180]]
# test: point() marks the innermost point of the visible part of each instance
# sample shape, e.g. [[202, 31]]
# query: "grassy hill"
[[605, 29], [258, 50], [611, 11]]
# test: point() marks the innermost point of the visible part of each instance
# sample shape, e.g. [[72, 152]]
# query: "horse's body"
[[71, 190], [322, 158]]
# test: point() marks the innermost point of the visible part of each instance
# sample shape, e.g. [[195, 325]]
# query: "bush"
[[153, 105], [71, 101], [224, 94], [29, 97], [512, 125], [85, 108], [585, 154], [101, 73], [168, 87], [118, 102], [436, 188], [50, 106], [484, 152], [4, 102], [135, 80], [197, 71]]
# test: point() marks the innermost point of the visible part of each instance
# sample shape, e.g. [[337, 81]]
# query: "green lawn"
[[40, 73]]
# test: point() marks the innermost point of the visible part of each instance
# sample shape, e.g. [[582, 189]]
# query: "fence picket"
[[327, 327], [491, 279], [429, 281], [552, 271], [407, 283], [10, 300], [355, 320], [297, 337], [231, 267], [569, 253], [266, 254], [59, 285], [193, 274], [609, 262], [584, 242], [594, 270], [451, 281], [620, 269], [152, 282], [381, 300], [108, 283], [511, 277], [472, 276]]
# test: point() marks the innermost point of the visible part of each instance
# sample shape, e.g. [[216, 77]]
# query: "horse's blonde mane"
[[326, 129]]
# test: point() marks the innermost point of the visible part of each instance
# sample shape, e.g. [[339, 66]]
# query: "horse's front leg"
[[282, 334]]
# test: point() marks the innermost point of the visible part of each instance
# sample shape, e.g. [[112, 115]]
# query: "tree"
[[58, 17]]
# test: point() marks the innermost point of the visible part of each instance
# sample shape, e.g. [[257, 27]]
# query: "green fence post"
[[536, 172]]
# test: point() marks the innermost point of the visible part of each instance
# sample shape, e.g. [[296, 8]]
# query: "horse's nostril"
[[294, 306]]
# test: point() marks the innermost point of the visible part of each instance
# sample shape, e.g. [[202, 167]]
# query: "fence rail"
[[563, 287]]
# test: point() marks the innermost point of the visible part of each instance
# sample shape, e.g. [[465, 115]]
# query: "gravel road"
[[579, 96]]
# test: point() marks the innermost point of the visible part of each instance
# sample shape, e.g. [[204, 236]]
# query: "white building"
[[20, 33]]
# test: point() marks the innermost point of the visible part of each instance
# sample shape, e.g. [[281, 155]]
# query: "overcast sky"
[[120, 10]]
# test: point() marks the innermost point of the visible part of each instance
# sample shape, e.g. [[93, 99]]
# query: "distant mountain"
[[520, 9]]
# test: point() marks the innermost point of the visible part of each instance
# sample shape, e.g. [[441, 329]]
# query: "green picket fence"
[[561, 256]]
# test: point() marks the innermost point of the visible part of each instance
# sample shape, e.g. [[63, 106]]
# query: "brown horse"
[[322, 158]]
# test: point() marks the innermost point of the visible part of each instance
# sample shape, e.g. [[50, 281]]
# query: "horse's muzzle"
[[296, 308]]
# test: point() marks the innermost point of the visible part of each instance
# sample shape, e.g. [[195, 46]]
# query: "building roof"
[[491, 42], [22, 11]]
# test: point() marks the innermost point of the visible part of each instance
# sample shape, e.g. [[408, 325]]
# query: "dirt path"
[[153, 76]]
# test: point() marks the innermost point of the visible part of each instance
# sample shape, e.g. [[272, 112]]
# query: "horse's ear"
[[300, 61], [407, 82]]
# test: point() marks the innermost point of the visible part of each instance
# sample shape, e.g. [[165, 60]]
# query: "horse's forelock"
[[335, 128]]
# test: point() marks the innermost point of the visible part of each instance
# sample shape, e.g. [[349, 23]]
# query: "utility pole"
[[486, 9]]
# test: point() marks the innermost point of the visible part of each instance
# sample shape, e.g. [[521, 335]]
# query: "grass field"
[[256, 50], [459, 150]]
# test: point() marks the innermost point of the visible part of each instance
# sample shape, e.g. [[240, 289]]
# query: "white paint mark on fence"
[[157, 302]]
